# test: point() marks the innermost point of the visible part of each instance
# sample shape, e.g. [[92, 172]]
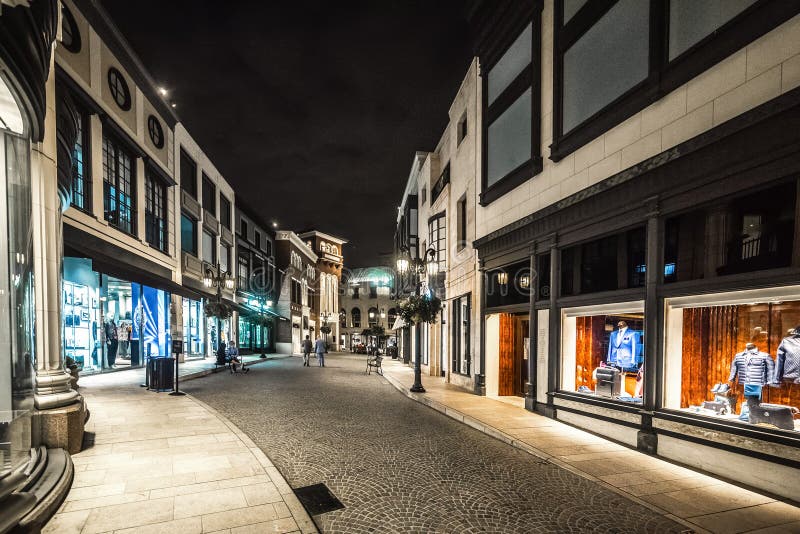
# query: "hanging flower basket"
[[218, 309], [325, 329], [420, 309]]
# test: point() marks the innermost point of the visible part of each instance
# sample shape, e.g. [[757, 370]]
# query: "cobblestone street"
[[398, 466]]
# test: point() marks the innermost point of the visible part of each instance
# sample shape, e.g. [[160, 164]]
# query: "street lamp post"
[[417, 268], [214, 277]]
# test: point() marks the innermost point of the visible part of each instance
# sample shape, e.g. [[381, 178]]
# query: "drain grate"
[[318, 499]]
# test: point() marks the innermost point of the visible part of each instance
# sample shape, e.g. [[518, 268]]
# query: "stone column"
[[60, 412], [530, 386]]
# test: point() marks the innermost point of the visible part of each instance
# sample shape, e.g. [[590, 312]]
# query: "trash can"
[[162, 374]]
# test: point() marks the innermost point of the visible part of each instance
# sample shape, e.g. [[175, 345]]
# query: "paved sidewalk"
[[702, 502], [163, 464]]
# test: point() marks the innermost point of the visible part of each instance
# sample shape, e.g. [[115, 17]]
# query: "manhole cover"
[[318, 499]]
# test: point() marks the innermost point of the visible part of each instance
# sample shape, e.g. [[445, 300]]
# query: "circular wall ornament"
[[155, 131], [119, 89]]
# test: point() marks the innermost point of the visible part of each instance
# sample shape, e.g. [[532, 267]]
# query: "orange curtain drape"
[[590, 332], [711, 338]]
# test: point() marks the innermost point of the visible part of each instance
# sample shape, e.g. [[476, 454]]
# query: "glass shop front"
[[111, 323]]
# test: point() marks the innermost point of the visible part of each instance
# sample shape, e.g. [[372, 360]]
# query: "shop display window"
[[192, 327], [81, 325], [745, 234], [606, 264], [736, 357], [244, 333], [603, 352]]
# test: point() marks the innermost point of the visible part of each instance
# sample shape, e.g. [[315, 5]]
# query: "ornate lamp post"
[[325, 317], [417, 268], [214, 277]]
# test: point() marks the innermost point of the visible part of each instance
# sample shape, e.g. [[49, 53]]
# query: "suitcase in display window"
[[608, 381], [774, 414]]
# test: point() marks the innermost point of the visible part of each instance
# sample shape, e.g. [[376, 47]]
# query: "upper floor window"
[[269, 248], [155, 131], [119, 89], [437, 237], [462, 129], [209, 248], [81, 180], [188, 234], [243, 228], [155, 211], [188, 174], [613, 58], [423, 196], [224, 258], [244, 272], [461, 236], [119, 187], [258, 239], [443, 180], [356, 290], [355, 315], [225, 212], [209, 195], [373, 290]]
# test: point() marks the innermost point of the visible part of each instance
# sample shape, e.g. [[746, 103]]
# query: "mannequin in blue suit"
[[622, 347]]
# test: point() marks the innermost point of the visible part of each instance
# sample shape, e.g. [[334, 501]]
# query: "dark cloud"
[[312, 110]]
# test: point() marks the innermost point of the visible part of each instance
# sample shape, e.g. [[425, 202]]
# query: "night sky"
[[311, 110]]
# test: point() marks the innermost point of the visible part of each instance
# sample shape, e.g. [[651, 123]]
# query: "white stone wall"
[[759, 72]]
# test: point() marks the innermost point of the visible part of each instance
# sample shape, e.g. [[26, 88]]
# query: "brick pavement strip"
[[400, 467], [163, 464]]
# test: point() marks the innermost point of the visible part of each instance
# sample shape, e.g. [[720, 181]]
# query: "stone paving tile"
[[162, 464], [399, 466]]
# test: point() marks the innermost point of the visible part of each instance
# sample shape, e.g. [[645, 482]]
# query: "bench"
[[374, 362]]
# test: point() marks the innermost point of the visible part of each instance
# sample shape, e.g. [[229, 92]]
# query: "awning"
[[399, 324], [110, 259]]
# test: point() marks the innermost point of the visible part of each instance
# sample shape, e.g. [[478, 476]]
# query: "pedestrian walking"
[[320, 349], [307, 348]]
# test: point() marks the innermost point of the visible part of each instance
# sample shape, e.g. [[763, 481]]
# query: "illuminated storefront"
[[111, 323]]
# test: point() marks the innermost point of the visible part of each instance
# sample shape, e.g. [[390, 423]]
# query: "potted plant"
[[418, 309]]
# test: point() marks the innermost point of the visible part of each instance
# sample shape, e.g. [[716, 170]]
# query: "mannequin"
[[622, 346], [754, 370], [787, 366]]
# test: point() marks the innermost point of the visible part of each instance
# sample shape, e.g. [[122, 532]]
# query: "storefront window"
[[17, 357], [192, 327], [606, 264], [603, 351], [460, 345], [244, 333], [745, 234], [736, 357]]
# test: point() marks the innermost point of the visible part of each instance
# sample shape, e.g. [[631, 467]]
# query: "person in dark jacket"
[[222, 354], [307, 348]]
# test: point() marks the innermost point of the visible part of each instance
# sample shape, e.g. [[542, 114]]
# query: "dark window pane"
[[209, 248], [188, 235], [514, 60], [209, 196], [606, 264], [155, 211], [749, 233], [543, 276], [571, 7], [225, 212], [509, 143], [508, 285], [608, 60], [118, 187], [188, 174], [690, 21]]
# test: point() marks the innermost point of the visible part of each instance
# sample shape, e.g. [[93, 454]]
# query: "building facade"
[[256, 282], [367, 301], [325, 300], [440, 202], [208, 248], [637, 225], [297, 275]]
